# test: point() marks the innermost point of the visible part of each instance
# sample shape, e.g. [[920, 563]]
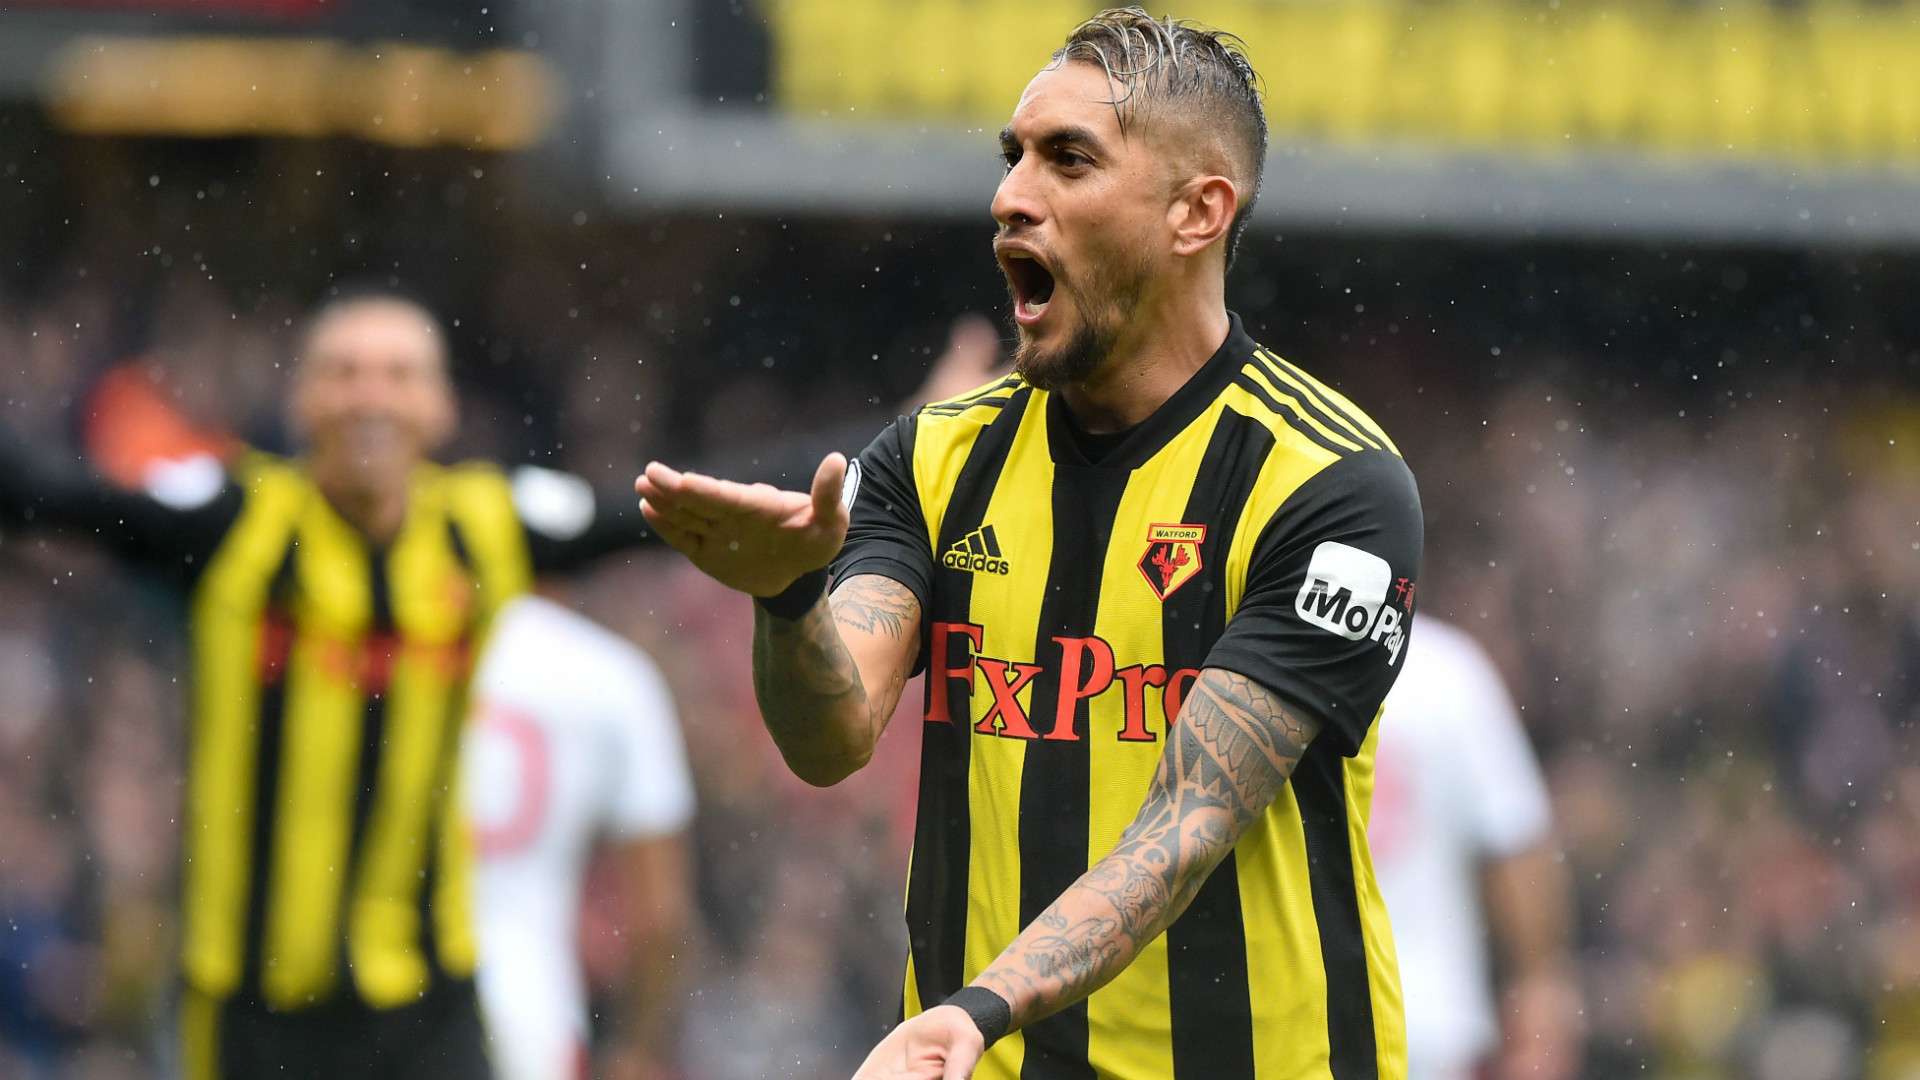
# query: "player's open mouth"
[[1032, 285]]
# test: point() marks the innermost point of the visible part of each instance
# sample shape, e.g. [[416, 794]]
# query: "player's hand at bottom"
[[752, 537], [942, 1043]]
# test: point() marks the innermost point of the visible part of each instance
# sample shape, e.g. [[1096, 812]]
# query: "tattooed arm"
[[1226, 758], [828, 681]]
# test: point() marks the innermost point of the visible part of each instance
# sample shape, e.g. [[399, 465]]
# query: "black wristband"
[[990, 1012], [798, 598]]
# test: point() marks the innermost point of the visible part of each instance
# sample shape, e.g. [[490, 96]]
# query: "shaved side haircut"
[[1171, 69]]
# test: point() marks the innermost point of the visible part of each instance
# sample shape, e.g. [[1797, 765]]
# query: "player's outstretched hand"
[[752, 537], [942, 1043]]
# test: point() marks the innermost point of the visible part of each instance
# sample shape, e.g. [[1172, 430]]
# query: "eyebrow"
[[1065, 135]]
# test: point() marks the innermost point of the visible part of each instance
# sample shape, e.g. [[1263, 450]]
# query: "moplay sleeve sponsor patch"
[[1344, 589], [1345, 592], [1323, 619]]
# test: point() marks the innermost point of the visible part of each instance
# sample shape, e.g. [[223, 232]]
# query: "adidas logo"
[[978, 552]]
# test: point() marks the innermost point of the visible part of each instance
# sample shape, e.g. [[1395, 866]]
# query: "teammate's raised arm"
[[172, 528], [827, 672]]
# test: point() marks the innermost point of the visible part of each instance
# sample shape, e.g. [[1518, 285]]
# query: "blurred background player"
[[575, 738], [139, 436], [1464, 845], [575, 741], [335, 601]]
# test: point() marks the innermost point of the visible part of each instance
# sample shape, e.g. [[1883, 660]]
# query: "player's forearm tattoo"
[[809, 688], [1232, 748]]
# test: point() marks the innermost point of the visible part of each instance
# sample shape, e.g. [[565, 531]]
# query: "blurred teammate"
[[1451, 843], [574, 740], [335, 600], [1160, 581]]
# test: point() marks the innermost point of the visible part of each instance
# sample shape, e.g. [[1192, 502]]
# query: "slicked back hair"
[[1172, 66]]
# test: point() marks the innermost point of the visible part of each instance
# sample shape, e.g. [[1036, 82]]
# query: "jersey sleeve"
[[569, 523], [1324, 618], [888, 534], [654, 792], [1508, 809], [172, 527]]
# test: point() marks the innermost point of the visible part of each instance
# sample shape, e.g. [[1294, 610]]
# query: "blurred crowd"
[[1713, 626], [1683, 517]]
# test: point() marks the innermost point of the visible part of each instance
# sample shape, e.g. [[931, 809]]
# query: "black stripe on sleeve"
[[942, 829], [1285, 412], [1312, 391], [1055, 782], [957, 408], [1318, 783], [978, 397], [1208, 986]]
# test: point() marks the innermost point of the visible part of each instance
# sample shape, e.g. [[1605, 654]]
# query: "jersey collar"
[[1174, 414]]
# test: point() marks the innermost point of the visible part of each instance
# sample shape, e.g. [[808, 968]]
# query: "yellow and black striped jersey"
[[1258, 522], [323, 852]]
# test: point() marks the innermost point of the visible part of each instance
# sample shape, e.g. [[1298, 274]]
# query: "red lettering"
[[337, 658], [1177, 684], [1136, 679], [455, 659], [1012, 719], [1072, 689], [276, 647], [938, 680], [378, 653]]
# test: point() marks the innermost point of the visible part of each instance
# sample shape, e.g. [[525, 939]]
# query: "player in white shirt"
[[1463, 842], [573, 741]]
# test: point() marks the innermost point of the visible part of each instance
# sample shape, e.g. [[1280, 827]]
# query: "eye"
[[1009, 158], [1070, 159]]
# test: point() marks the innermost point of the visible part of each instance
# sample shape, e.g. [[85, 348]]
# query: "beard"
[[1101, 305], [1050, 369]]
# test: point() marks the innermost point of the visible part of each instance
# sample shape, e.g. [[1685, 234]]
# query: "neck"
[[372, 500], [1163, 345]]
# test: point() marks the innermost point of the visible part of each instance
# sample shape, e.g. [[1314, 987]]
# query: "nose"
[[1017, 202], [366, 388]]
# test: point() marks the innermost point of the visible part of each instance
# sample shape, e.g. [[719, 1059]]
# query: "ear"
[[1201, 213]]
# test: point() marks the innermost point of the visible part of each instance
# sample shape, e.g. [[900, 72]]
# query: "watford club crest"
[[1172, 557]]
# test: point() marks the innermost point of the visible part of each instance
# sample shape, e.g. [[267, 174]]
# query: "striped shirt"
[[1258, 522]]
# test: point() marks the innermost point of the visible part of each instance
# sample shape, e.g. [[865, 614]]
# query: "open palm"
[[752, 537]]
